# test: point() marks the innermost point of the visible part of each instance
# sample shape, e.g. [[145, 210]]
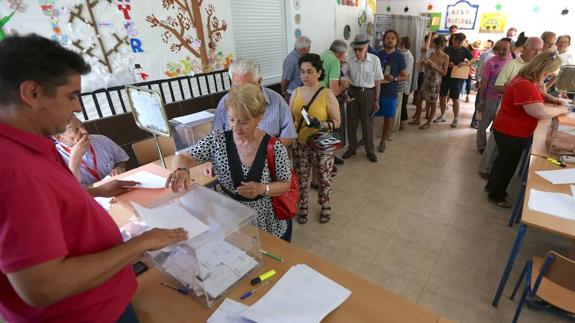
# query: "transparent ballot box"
[[189, 129], [223, 245]]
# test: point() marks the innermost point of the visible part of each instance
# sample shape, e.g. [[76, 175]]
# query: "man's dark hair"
[[32, 57], [521, 39], [390, 31], [453, 27], [405, 42], [315, 61], [458, 37], [439, 41]]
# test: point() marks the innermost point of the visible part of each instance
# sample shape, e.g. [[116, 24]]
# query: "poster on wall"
[[492, 22], [463, 14], [165, 39], [434, 21]]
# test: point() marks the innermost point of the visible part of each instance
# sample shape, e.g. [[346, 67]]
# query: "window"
[[259, 29]]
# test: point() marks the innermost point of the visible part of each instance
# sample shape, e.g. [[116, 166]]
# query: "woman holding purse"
[[322, 108], [240, 161]]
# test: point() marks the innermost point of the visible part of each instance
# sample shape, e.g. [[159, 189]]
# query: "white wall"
[[520, 14], [317, 22]]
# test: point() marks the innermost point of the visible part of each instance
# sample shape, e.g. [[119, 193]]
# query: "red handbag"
[[285, 205]]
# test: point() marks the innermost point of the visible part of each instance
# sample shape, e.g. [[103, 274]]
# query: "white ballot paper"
[[557, 204], [560, 176], [171, 216], [194, 117], [229, 312], [302, 295], [146, 180], [573, 190]]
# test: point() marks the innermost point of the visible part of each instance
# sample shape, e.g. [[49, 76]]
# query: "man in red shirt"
[[62, 258]]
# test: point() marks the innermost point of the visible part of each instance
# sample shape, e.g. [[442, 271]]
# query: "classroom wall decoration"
[[3, 22], [463, 14], [167, 38], [434, 21], [493, 22]]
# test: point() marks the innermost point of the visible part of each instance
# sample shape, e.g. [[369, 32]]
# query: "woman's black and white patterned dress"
[[213, 149]]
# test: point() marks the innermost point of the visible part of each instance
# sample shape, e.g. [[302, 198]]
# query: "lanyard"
[[92, 171]]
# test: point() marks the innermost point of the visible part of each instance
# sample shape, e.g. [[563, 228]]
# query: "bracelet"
[[267, 191]]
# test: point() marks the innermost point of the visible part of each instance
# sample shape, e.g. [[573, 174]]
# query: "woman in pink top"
[[488, 100]]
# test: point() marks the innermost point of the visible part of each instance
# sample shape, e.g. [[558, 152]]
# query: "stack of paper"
[[229, 311], [301, 295], [557, 204]]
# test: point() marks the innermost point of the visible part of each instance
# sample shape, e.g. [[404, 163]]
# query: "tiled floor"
[[417, 223]]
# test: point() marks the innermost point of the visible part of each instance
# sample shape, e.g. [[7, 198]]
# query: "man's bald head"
[[533, 46]]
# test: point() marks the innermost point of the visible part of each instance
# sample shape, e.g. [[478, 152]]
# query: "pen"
[[262, 277], [249, 293], [271, 255], [181, 290], [555, 162]]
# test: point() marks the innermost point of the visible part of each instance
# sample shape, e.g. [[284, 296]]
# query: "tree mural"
[[185, 15]]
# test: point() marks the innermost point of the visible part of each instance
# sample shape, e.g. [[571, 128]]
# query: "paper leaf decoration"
[[406, 9], [498, 6], [564, 12], [429, 7], [388, 8], [536, 9]]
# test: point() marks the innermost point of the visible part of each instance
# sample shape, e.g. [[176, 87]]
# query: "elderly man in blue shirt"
[[277, 120], [290, 73]]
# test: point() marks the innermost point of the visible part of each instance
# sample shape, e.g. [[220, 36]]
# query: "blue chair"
[[550, 279]]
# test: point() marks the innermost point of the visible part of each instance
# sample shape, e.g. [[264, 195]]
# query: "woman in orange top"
[[323, 113]]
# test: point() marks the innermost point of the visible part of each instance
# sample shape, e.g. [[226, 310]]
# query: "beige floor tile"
[[393, 282], [436, 209], [424, 232], [407, 259]]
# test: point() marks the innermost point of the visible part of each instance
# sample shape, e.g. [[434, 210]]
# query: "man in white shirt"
[[365, 75]]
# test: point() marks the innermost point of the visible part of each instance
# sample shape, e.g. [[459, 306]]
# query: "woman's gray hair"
[[302, 42], [243, 66], [338, 46]]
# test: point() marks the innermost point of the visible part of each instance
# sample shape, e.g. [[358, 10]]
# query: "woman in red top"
[[521, 108]]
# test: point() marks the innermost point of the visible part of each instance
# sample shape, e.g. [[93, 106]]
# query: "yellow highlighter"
[[262, 277], [555, 162]]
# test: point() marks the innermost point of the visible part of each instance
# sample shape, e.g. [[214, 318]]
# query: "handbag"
[[285, 206]]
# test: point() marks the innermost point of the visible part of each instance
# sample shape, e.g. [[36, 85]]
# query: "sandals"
[[325, 215]]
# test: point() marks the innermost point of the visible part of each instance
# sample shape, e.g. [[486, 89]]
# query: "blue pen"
[[181, 290], [248, 294]]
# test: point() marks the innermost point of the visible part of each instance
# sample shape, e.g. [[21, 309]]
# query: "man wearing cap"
[[365, 74], [290, 72]]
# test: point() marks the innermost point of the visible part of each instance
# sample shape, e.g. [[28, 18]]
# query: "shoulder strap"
[[271, 157], [307, 106]]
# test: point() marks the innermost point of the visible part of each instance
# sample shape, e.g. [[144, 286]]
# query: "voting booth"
[[189, 129], [223, 245]]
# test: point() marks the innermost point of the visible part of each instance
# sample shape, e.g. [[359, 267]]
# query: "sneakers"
[[454, 123], [503, 204], [440, 119]]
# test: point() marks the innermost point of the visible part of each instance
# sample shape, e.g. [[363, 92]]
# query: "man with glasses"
[[277, 120], [365, 75]]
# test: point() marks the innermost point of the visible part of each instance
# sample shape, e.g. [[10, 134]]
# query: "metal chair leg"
[[519, 280], [517, 208], [509, 264]]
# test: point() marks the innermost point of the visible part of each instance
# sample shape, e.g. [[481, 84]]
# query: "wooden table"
[[367, 302], [542, 221]]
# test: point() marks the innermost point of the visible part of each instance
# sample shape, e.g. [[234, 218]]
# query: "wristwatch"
[[267, 191], [395, 78]]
